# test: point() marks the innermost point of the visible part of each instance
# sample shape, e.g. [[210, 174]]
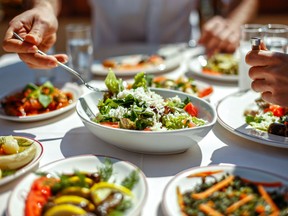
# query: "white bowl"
[[170, 206], [86, 163], [150, 142]]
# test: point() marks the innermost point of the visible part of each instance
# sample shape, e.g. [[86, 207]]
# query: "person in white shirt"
[[120, 21]]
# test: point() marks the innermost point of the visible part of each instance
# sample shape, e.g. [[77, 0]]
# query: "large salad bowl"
[[150, 142]]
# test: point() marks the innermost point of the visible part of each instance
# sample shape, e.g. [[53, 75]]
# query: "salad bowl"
[[148, 142]]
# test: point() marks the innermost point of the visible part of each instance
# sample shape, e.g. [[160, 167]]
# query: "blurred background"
[[78, 11]]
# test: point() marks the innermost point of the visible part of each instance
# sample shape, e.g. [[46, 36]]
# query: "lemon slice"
[[100, 191], [65, 210]]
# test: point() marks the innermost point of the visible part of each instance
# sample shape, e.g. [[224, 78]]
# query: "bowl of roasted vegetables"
[[82, 185], [37, 102], [226, 190], [147, 120], [18, 155]]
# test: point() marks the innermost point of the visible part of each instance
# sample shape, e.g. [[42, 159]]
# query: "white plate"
[[28, 167], [230, 112], [195, 68], [169, 63], [88, 163], [69, 87], [170, 205]]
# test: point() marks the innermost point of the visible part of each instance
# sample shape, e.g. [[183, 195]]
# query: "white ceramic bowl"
[[86, 163], [170, 206], [150, 142]]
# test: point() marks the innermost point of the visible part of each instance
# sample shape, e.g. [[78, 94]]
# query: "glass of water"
[[80, 49], [248, 31], [276, 37]]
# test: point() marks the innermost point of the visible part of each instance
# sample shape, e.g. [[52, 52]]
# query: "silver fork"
[[70, 70]]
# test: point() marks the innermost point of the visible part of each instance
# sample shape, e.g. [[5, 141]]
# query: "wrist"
[[47, 5]]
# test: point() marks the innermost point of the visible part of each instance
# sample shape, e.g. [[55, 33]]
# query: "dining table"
[[65, 136]]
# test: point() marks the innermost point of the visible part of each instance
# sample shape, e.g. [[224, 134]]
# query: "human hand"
[[269, 73], [220, 35], [38, 28]]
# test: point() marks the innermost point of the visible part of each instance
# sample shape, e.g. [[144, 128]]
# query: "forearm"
[[245, 12], [53, 5]]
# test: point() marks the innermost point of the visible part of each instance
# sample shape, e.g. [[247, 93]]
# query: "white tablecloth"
[[66, 136]]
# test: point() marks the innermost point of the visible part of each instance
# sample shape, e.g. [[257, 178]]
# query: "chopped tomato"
[[276, 110], [147, 129], [191, 109], [110, 124], [205, 92], [38, 196]]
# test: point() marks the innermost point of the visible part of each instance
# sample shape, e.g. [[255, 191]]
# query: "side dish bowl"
[[150, 142]]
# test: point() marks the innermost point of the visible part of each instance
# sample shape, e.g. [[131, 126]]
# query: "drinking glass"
[[80, 49], [276, 37], [247, 32]]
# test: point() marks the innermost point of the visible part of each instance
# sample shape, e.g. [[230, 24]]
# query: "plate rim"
[[76, 89], [55, 162], [174, 63], [256, 139], [208, 167], [26, 168]]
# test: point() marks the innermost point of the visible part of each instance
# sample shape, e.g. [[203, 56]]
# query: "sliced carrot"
[[211, 72], [205, 92], [239, 203], [204, 174], [110, 124], [214, 188], [267, 198], [265, 184], [209, 210], [180, 199]]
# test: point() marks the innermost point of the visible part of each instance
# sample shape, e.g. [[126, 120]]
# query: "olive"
[[278, 129]]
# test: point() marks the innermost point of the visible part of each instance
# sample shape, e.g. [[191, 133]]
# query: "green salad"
[[139, 108]]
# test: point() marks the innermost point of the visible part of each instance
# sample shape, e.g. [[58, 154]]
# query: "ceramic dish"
[[69, 87], [150, 142], [170, 205], [168, 64], [86, 163], [28, 167], [230, 111], [195, 68]]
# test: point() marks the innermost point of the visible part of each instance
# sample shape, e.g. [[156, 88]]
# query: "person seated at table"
[[155, 22], [269, 73]]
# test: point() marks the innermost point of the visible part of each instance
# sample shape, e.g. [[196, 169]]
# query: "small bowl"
[[149, 142]]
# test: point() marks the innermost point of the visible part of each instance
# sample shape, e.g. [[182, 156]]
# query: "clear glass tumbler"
[[80, 49], [276, 37], [247, 32]]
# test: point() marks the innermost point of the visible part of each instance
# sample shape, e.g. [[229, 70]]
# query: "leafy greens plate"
[[230, 111]]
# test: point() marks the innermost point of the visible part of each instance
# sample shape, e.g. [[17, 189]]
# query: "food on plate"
[[34, 99], [15, 152], [82, 193], [139, 108], [133, 62], [232, 195], [182, 83], [268, 117], [221, 64]]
